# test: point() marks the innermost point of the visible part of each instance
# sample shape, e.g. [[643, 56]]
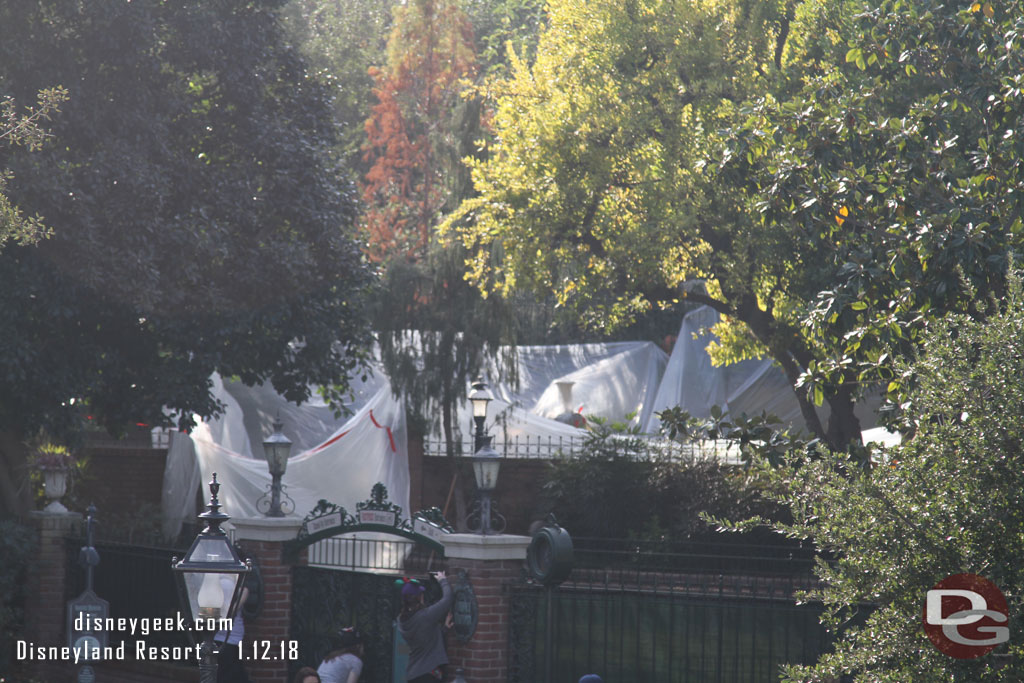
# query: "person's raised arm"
[[439, 609]]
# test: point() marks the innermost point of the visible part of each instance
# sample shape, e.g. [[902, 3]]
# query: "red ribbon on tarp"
[[391, 438]]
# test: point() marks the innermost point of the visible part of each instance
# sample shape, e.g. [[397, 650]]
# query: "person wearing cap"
[[591, 678], [422, 627], [344, 663], [306, 674]]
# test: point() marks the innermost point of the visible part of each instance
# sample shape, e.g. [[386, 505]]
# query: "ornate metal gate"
[[326, 600], [354, 562]]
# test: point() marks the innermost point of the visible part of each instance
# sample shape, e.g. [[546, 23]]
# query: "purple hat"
[[411, 589], [591, 678]]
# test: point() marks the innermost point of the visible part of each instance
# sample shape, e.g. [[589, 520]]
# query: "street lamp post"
[[479, 398], [486, 465], [276, 449], [211, 577], [486, 460]]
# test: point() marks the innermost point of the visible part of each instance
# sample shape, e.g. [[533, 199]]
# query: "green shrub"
[[17, 543], [949, 500], [620, 487]]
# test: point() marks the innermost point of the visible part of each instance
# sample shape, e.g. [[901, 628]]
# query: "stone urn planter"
[[55, 463]]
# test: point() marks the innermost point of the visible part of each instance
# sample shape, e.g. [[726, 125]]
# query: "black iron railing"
[[658, 627], [551, 447], [731, 555], [139, 584]]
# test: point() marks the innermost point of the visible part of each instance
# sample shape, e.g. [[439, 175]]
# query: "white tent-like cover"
[[341, 459]]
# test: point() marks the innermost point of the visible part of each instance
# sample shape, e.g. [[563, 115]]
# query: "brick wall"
[[46, 597], [485, 656], [518, 497], [130, 476], [491, 563], [275, 617]]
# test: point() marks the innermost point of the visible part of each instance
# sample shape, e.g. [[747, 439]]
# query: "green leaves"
[[660, 492], [943, 502], [856, 56], [198, 220], [27, 129]]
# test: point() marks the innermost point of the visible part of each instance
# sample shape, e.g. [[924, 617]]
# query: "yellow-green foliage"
[[593, 189]]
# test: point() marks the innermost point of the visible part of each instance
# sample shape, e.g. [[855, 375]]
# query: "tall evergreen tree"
[[199, 223], [417, 132], [434, 329]]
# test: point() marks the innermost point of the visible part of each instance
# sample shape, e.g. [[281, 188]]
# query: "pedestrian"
[[344, 663], [229, 663], [591, 678], [306, 674], [422, 626]]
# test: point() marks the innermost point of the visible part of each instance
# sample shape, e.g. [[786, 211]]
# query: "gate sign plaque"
[[328, 521], [85, 613], [465, 612], [425, 528], [384, 517]]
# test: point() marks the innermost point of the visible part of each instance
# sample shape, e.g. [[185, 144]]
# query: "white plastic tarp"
[[332, 459], [749, 387], [616, 381], [613, 380]]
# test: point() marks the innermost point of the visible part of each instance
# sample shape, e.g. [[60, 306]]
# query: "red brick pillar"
[[45, 609], [491, 562], [266, 646], [46, 602]]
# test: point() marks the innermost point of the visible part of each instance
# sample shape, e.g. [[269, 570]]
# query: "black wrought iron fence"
[[725, 554], [550, 447], [659, 627], [139, 584], [366, 553]]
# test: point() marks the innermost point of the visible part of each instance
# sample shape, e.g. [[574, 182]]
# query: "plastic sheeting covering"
[[332, 459], [340, 460], [617, 381], [181, 481], [749, 387]]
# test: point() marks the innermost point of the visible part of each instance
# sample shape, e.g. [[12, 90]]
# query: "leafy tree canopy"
[[24, 128], [947, 501], [342, 41], [591, 184], [597, 188], [894, 179], [419, 128], [198, 221], [639, 160]]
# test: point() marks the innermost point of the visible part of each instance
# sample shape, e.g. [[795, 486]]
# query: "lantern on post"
[[479, 398], [211, 577], [276, 450]]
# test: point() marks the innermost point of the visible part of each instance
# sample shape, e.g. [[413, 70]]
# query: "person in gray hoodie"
[[422, 626]]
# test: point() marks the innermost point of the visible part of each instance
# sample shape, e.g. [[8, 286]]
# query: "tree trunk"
[[15, 492], [843, 423], [453, 458]]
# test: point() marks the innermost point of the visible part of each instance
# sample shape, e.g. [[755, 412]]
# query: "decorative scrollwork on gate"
[[376, 514], [436, 517], [379, 510]]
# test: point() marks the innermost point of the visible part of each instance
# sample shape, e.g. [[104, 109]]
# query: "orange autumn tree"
[[434, 330], [416, 134]]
